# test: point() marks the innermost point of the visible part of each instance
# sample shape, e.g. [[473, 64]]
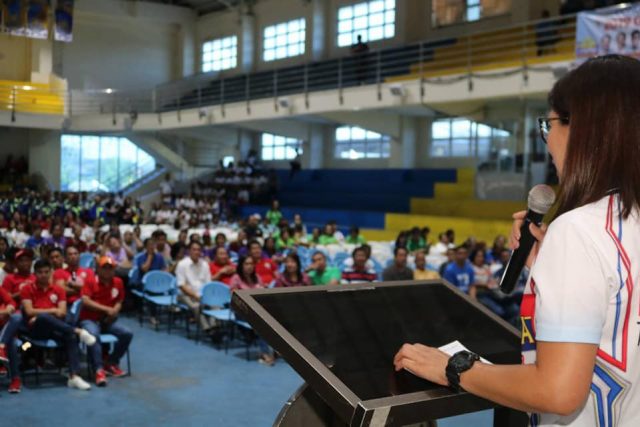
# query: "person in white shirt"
[[166, 188], [440, 248], [192, 273], [579, 313]]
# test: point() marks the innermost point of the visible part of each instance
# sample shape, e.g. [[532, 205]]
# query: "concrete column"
[[316, 144], [318, 29], [247, 42], [41, 60]]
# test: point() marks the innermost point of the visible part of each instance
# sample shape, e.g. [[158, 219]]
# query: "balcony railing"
[[524, 48]]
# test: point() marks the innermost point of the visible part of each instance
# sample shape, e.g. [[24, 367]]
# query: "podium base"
[[306, 408]]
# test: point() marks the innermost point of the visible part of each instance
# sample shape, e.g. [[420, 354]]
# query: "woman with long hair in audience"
[[580, 358], [246, 277], [293, 274], [483, 279], [285, 241]]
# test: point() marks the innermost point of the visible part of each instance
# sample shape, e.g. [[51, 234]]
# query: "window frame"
[[478, 142], [106, 149], [280, 142], [295, 40], [225, 53], [347, 20], [382, 144]]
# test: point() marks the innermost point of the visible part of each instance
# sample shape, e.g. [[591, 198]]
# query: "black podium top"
[[342, 339]]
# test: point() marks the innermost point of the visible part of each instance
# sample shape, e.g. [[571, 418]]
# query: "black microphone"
[[541, 198]]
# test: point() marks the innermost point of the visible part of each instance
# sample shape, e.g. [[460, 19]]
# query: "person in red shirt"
[[10, 321], [45, 307], [73, 277], [102, 301], [23, 276], [222, 269], [77, 240], [265, 267]]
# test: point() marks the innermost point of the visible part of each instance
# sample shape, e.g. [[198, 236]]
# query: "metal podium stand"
[[341, 340]]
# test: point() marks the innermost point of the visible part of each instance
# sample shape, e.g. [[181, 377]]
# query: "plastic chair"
[[339, 259], [215, 294], [159, 288], [50, 344], [87, 260]]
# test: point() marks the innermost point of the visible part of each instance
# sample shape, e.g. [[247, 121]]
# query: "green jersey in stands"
[[413, 246], [281, 244], [274, 217], [329, 274], [359, 240], [325, 240]]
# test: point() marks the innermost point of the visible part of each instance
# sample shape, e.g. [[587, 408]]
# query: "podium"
[[342, 339]]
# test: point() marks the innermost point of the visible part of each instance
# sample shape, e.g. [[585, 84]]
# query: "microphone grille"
[[541, 198]]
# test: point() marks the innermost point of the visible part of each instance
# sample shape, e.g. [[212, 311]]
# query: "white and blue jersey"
[[583, 288], [460, 277]]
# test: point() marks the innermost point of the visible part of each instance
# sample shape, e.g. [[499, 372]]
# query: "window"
[[275, 147], [284, 40], [446, 12], [457, 137], [356, 143], [373, 20], [101, 163], [220, 54]]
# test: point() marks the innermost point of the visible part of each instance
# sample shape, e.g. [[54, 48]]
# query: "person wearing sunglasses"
[[579, 314]]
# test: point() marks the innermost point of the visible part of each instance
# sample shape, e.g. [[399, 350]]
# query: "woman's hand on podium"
[[425, 362], [537, 232]]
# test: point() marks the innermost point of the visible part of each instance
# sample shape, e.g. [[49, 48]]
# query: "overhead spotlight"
[[397, 90], [284, 103]]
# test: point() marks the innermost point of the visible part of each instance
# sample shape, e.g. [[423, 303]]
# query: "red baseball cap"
[[23, 252], [106, 260]]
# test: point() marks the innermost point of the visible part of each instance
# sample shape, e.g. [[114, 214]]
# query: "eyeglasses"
[[544, 125]]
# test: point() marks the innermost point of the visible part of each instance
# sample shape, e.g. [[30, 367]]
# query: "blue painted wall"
[[384, 190]]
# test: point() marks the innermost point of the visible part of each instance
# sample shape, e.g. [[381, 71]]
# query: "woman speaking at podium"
[[581, 309]]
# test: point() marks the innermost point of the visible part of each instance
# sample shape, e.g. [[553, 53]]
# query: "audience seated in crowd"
[[269, 252]]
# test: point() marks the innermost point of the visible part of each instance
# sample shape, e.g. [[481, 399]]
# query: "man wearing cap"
[[45, 307], [192, 273], [102, 301], [23, 276]]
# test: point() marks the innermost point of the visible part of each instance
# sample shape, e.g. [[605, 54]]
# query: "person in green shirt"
[[320, 273], [284, 240], [274, 215], [327, 237], [416, 242], [354, 237]]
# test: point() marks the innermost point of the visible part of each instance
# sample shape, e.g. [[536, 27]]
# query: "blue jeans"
[[7, 337], [123, 334], [47, 327]]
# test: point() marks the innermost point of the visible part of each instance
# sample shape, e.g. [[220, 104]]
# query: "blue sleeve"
[[450, 277]]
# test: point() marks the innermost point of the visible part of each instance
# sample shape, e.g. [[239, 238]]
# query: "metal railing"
[[523, 48]]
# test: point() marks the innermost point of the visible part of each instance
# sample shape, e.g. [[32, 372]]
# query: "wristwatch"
[[460, 362]]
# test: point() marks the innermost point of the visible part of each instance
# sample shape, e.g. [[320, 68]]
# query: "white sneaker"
[[87, 338], [76, 381]]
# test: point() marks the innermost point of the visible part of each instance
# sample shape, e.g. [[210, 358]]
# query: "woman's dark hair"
[[474, 253], [252, 278], [296, 259], [599, 100], [269, 246]]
